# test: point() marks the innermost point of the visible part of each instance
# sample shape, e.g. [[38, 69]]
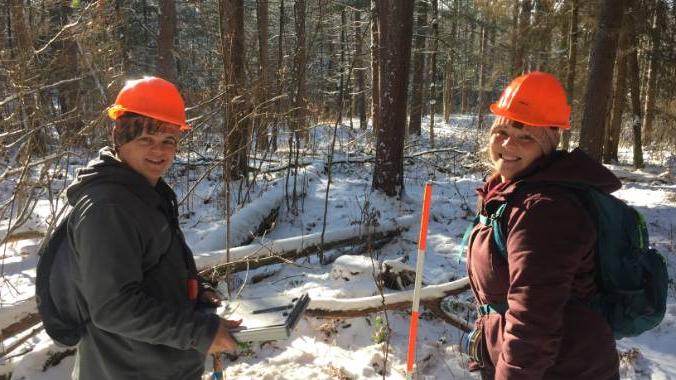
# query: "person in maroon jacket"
[[544, 329]]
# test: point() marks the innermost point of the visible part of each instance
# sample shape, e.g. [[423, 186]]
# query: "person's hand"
[[210, 297], [223, 341]]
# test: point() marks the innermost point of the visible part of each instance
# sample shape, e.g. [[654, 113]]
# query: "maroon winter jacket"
[[550, 244]]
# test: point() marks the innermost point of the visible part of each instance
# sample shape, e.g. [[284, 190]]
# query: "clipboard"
[[263, 319]]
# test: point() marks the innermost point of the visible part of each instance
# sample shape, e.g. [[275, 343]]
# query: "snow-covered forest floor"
[[349, 348]]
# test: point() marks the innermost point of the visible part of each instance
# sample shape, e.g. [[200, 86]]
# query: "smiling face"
[[512, 148], [151, 155]]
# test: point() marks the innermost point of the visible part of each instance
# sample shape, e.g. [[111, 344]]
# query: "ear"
[[113, 133]]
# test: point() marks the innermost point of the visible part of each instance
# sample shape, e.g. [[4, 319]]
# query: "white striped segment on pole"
[[420, 263]]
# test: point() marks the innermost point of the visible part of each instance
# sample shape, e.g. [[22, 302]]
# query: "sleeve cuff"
[[204, 340]]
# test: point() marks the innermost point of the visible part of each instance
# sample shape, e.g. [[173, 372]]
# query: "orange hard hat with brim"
[[152, 97], [536, 99]]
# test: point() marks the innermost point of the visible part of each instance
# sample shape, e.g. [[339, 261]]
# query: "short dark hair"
[[132, 125]]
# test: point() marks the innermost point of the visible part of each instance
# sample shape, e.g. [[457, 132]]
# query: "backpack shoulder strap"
[[494, 220]]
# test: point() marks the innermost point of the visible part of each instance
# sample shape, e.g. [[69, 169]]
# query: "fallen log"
[[251, 220], [23, 324], [213, 265], [358, 307]]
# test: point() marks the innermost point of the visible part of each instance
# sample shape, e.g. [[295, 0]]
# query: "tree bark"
[[542, 31], [360, 71], [121, 34], [615, 126], [635, 90], [514, 39], [166, 65], [298, 97], [570, 72], [342, 64], [482, 76], [280, 76], [448, 87], [395, 24], [415, 117], [520, 63], [653, 67], [597, 94], [235, 128], [448, 70], [433, 68], [263, 89], [375, 73]]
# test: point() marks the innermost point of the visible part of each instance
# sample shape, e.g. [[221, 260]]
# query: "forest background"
[[263, 79], [255, 72]]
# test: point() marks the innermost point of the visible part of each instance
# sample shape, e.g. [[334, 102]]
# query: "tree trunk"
[[299, 59], [448, 87], [600, 77], [433, 67], [375, 69], [415, 117], [395, 24], [235, 129], [263, 88], [360, 71], [280, 75], [482, 75], [342, 64], [542, 30], [570, 72], [22, 34], [166, 65], [648, 110], [514, 37], [448, 70], [635, 90], [615, 126], [520, 56], [121, 35]]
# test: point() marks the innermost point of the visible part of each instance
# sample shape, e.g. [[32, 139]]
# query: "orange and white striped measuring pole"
[[420, 263]]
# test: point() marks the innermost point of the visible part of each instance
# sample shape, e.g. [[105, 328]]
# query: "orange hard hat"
[[537, 99], [152, 97]]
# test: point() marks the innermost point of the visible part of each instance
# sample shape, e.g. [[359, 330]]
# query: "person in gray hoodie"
[[135, 275]]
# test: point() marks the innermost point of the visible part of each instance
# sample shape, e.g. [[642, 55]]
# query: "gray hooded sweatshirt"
[[132, 270]]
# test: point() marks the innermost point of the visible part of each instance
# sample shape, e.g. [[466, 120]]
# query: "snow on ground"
[[355, 348]]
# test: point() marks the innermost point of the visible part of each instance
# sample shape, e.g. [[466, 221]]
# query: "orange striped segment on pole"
[[422, 245]]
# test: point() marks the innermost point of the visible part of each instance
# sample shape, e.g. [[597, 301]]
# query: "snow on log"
[[244, 224], [329, 306], [282, 250], [18, 316], [355, 307]]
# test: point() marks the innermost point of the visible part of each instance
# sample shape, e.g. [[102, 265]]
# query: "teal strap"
[[465, 237], [493, 308], [498, 235]]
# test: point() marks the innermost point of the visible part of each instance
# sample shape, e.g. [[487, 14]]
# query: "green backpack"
[[632, 278]]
